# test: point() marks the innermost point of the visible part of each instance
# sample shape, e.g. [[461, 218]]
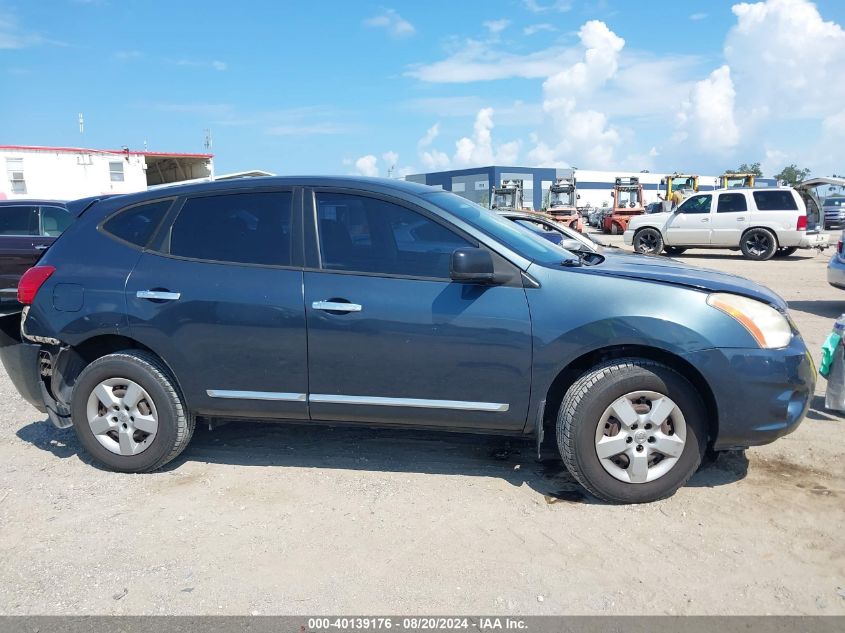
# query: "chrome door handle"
[[336, 306], [740, 219], [41, 247], [705, 219], [160, 295]]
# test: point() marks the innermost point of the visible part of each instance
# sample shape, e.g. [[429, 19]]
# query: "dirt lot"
[[273, 519]]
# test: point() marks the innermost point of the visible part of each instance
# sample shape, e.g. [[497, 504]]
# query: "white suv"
[[763, 223]]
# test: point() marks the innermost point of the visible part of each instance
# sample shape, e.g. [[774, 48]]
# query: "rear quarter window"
[[137, 224], [775, 201]]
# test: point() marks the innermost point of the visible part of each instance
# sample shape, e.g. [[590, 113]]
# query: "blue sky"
[[360, 87]]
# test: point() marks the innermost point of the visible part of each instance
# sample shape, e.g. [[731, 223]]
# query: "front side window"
[[696, 204], [137, 224], [368, 235], [14, 170], [116, 171], [54, 221], [239, 228], [731, 203], [775, 201], [19, 220]]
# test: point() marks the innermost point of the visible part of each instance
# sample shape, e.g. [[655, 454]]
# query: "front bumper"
[[814, 240], [628, 237], [760, 394]]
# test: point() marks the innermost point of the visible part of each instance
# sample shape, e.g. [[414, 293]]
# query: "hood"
[[666, 270], [650, 218]]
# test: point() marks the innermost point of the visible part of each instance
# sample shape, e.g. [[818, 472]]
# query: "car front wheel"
[[632, 431], [128, 412]]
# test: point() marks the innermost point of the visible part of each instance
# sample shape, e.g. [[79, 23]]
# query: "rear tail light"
[[839, 247], [802, 223], [32, 281]]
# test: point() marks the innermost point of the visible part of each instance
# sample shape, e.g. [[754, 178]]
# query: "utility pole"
[[209, 142], [81, 124]]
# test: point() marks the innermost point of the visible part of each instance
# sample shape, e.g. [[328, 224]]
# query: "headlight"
[[768, 326]]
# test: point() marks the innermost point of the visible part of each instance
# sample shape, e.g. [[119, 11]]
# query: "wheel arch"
[[571, 372], [770, 229], [70, 361]]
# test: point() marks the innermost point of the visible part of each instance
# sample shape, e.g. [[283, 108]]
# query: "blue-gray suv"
[[386, 303]]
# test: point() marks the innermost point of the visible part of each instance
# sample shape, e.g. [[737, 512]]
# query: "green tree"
[[745, 168], [792, 175]]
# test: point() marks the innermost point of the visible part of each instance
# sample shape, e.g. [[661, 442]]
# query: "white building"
[[67, 173]]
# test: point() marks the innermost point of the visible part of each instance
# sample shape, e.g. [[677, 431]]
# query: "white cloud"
[[535, 6], [192, 63], [13, 35], [708, 114], [497, 26], [695, 17], [218, 65], [392, 22], [434, 160], [391, 158], [479, 148], [536, 28], [430, 134], [485, 61], [367, 165]]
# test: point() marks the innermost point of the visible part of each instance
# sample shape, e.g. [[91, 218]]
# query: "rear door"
[[730, 220], [391, 338], [18, 241], [219, 297], [689, 225]]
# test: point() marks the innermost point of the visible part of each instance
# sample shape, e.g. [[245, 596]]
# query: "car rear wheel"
[[648, 242], [785, 251], [632, 431], [673, 250], [128, 412], [616, 229], [759, 244]]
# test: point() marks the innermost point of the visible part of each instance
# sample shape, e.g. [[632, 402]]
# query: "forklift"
[[729, 180]]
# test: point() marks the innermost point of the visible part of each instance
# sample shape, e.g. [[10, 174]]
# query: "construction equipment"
[[627, 202], [507, 197], [562, 207], [729, 180], [677, 187]]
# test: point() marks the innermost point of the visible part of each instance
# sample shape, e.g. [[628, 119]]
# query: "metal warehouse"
[[594, 186]]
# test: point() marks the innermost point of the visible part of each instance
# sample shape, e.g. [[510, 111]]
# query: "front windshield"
[[628, 198], [683, 184], [520, 239], [504, 200], [561, 199]]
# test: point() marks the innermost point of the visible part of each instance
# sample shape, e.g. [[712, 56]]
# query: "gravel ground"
[[275, 519]]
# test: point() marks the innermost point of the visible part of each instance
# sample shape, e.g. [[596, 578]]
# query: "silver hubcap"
[[122, 416], [640, 436]]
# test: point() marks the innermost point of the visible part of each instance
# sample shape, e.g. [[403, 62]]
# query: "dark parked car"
[[27, 228], [309, 299], [834, 212]]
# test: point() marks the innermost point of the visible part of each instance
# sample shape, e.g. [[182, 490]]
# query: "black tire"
[[674, 250], [648, 241], [582, 409], [615, 229], [785, 251], [175, 423], [759, 244]]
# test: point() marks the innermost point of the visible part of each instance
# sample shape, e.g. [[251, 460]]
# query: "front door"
[[689, 225], [391, 339], [222, 305], [730, 220]]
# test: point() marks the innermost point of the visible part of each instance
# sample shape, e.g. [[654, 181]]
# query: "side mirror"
[[572, 245], [473, 265]]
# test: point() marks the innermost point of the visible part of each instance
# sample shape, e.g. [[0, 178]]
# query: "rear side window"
[[136, 225], [775, 201], [731, 203], [19, 220], [54, 221], [242, 228]]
